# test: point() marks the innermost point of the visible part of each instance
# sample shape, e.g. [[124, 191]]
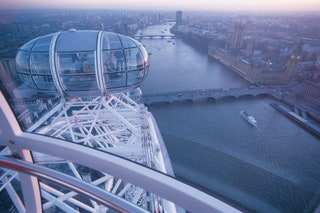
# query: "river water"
[[274, 167]]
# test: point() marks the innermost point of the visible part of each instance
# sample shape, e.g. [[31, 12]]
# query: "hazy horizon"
[[227, 5]]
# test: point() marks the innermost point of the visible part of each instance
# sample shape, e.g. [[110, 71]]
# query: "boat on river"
[[249, 118]]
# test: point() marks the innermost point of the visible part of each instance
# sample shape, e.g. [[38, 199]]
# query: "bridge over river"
[[162, 36], [194, 95]]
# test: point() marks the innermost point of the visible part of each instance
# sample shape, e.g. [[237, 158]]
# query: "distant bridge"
[[194, 95], [162, 36]]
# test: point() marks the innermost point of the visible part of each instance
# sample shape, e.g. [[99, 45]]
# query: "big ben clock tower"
[[293, 63]]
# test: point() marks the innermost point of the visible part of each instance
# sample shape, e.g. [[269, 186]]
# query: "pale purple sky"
[[275, 5]]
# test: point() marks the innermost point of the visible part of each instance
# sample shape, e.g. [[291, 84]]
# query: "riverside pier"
[[297, 118]]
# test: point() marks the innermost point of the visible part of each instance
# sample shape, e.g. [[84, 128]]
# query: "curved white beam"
[[53, 64], [9, 130], [72, 183]]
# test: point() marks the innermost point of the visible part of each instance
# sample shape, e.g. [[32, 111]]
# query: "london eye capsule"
[[81, 63]]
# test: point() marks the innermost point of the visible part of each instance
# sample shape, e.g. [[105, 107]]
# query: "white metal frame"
[[122, 177]]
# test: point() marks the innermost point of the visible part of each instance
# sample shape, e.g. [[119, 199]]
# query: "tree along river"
[[274, 167]]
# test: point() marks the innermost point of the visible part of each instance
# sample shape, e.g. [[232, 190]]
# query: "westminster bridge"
[[193, 95], [162, 36]]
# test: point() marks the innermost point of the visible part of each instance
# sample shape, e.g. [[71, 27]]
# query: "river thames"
[[274, 167]]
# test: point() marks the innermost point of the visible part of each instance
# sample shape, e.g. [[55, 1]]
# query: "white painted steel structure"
[[127, 180]]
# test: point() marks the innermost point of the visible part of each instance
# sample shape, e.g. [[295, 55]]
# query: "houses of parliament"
[[240, 58]]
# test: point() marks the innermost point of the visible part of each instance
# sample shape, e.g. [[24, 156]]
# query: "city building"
[[253, 65], [293, 63], [256, 72], [311, 92], [178, 17], [237, 36]]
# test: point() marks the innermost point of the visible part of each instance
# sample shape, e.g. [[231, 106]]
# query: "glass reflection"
[[40, 69], [77, 71], [134, 58], [23, 62], [127, 42], [111, 41], [42, 44]]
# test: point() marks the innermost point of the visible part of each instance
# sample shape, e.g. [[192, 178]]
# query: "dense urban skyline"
[[274, 5]]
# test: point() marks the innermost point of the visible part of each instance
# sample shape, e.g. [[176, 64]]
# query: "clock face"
[[298, 57], [292, 56]]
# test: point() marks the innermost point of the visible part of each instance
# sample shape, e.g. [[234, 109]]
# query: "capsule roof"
[[80, 63]]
